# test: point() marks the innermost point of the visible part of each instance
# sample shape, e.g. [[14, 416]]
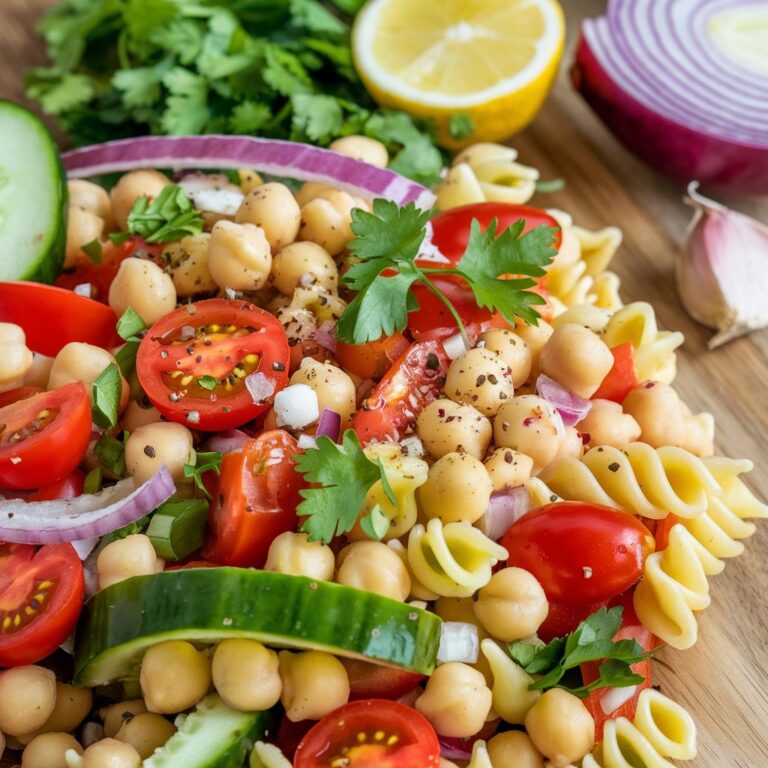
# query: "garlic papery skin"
[[722, 273]]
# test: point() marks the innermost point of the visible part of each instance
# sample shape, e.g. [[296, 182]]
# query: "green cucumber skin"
[[205, 605], [49, 256]]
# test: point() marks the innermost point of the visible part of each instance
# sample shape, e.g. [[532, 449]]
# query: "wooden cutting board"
[[722, 680]]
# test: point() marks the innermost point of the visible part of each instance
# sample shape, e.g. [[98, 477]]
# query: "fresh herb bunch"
[[274, 68]]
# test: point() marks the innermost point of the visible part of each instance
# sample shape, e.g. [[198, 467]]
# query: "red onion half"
[[86, 516], [670, 80], [571, 407]]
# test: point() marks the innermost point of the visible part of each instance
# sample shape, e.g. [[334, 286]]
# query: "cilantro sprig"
[[205, 461], [591, 641], [497, 268], [344, 475]]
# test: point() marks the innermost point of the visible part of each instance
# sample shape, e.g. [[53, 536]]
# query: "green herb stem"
[[454, 314]]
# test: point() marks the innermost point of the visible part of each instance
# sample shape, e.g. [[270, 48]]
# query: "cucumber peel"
[[205, 605], [33, 198]]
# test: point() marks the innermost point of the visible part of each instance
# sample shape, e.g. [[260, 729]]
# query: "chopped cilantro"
[[105, 397], [205, 461], [461, 126], [170, 216]]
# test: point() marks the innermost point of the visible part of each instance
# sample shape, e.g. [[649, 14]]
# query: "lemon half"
[[493, 60]]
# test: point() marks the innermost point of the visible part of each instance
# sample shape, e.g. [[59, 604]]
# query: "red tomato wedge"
[[52, 317], [193, 362], [372, 360], [258, 492], [564, 618], [374, 733], [44, 437], [622, 378], [580, 553], [41, 594], [20, 393], [67, 488], [375, 681], [412, 383]]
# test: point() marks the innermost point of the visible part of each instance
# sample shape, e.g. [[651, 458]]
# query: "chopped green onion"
[[177, 528]]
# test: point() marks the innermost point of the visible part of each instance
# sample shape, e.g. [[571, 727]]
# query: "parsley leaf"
[[591, 641], [170, 216], [205, 461], [105, 397], [345, 475]]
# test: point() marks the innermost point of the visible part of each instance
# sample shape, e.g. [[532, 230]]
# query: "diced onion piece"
[[455, 748], [459, 641], [504, 509], [329, 424], [571, 407], [412, 446], [84, 289], [454, 346], [296, 406], [613, 698], [212, 193], [84, 547], [229, 441], [325, 335], [307, 442], [260, 387]]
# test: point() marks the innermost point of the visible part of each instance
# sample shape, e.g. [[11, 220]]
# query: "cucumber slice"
[[213, 736], [204, 605], [33, 198]]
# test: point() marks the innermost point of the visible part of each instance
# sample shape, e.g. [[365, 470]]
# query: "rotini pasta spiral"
[[452, 560], [643, 480], [661, 728], [511, 696]]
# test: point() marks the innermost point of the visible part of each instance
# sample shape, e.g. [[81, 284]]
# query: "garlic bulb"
[[722, 274]]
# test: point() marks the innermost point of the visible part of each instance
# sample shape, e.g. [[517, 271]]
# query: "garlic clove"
[[722, 273]]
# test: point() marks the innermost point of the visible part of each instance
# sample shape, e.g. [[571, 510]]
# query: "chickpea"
[[607, 424], [15, 359], [246, 675], [374, 567], [78, 361], [132, 186], [314, 684], [513, 351], [89, 197], [294, 553], [146, 732], [334, 388], [174, 676], [310, 190], [157, 444], [111, 753], [249, 180], [143, 286], [508, 468], [187, 263], [699, 434], [27, 699], [115, 715], [132, 556], [136, 415], [512, 605], [529, 424], [47, 750], [481, 379], [239, 256], [302, 264], [571, 445], [39, 372], [326, 221], [657, 409], [70, 709], [362, 148], [535, 336], [560, 727], [456, 700], [458, 489], [577, 358], [83, 227], [515, 750], [273, 208], [448, 427]]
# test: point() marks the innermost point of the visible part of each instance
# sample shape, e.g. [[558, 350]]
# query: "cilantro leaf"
[[389, 231], [129, 325], [105, 397], [249, 117], [170, 216], [345, 475], [315, 17], [186, 108], [375, 525], [208, 382], [315, 116], [205, 461], [461, 126]]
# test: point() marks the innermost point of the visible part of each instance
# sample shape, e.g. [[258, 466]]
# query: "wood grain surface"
[[723, 679]]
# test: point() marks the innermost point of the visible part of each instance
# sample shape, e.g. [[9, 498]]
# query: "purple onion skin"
[[671, 148]]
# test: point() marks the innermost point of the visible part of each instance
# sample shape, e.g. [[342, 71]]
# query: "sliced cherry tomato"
[[580, 552], [372, 360], [451, 229], [20, 393], [412, 383], [193, 362], [101, 275], [66, 488], [256, 500], [44, 437], [563, 618], [52, 317], [41, 594], [348, 736], [375, 681], [622, 378], [661, 529]]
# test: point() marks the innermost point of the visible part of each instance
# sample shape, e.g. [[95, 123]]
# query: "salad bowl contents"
[[300, 473]]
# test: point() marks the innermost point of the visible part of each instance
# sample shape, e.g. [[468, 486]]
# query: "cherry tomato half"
[[622, 378], [52, 317], [412, 383], [375, 681], [348, 736], [580, 552], [193, 362], [19, 393], [44, 437], [41, 594], [256, 500], [67, 488]]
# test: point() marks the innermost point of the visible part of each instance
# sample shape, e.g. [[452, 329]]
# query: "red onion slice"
[[504, 509], [86, 516], [329, 424], [325, 335], [571, 407], [229, 441], [279, 158], [456, 748]]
